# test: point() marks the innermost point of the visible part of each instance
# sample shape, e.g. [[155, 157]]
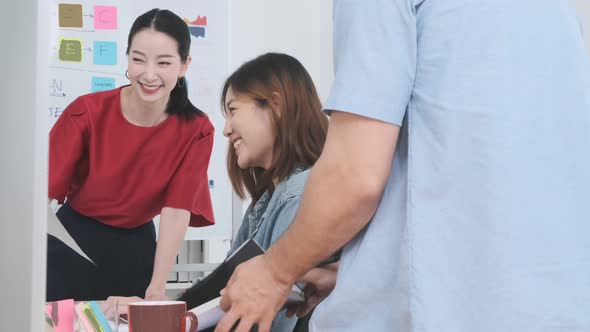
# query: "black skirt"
[[124, 259]]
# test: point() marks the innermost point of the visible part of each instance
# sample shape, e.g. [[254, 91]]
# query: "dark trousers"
[[124, 259]]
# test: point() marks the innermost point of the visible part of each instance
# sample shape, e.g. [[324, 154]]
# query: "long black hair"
[[165, 21]]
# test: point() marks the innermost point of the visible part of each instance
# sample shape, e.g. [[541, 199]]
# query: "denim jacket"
[[268, 219]]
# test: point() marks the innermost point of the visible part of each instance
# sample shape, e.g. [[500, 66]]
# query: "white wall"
[[302, 29], [23, 175]]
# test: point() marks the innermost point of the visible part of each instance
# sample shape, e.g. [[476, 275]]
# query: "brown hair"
[[279, 81]]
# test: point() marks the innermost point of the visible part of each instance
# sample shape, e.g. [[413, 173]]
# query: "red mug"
[[160, 316]]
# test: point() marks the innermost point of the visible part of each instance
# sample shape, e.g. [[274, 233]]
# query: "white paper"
[[55, 228], [208, 314]]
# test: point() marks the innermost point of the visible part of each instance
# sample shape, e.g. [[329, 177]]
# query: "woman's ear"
[[184, 66]]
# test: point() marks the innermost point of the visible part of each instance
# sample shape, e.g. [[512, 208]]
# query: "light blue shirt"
[[485, 221]]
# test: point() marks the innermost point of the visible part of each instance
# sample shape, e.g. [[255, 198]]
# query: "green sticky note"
[[70, 50]]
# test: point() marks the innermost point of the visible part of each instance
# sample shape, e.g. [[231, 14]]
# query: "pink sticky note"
[[62, 315], [105, 17]]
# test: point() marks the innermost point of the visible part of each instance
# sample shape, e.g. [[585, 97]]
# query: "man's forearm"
[[341, 195], [334, 208]]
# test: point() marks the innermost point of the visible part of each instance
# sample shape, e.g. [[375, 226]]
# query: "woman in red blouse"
[[117, 159]]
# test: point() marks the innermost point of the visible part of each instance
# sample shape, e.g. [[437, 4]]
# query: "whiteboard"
[[87, 54]]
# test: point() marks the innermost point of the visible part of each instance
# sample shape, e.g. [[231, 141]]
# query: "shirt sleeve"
[[375, 47], [189, 187], [67, 141]]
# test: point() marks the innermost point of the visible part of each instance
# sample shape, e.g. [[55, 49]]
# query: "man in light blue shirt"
[[480, 220]]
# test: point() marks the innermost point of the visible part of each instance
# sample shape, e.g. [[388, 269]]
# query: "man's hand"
[[253, 295]]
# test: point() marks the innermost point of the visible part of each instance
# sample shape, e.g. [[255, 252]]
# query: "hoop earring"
[[181, 82], [127, 73]]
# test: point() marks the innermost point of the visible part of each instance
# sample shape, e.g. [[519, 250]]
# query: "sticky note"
[[62, 315], [105, 53], [102, 83], [70, 50], [70, 15], [105, 17]]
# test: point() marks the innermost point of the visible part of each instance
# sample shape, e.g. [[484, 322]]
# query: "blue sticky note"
[[102, 83], [105, 53], [100, 317]]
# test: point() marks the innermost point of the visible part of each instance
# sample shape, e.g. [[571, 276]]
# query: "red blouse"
[[122, 174]]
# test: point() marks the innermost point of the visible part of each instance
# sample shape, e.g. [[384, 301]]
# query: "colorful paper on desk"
[[99, 317], [82, 318], [55, 228], [62, 315], [92, 318]]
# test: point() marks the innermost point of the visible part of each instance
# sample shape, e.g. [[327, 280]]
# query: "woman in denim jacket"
[[276, 132]]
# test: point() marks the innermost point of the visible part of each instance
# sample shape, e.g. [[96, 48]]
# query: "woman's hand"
[[156, 293], [320, 282], [122, 301]]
